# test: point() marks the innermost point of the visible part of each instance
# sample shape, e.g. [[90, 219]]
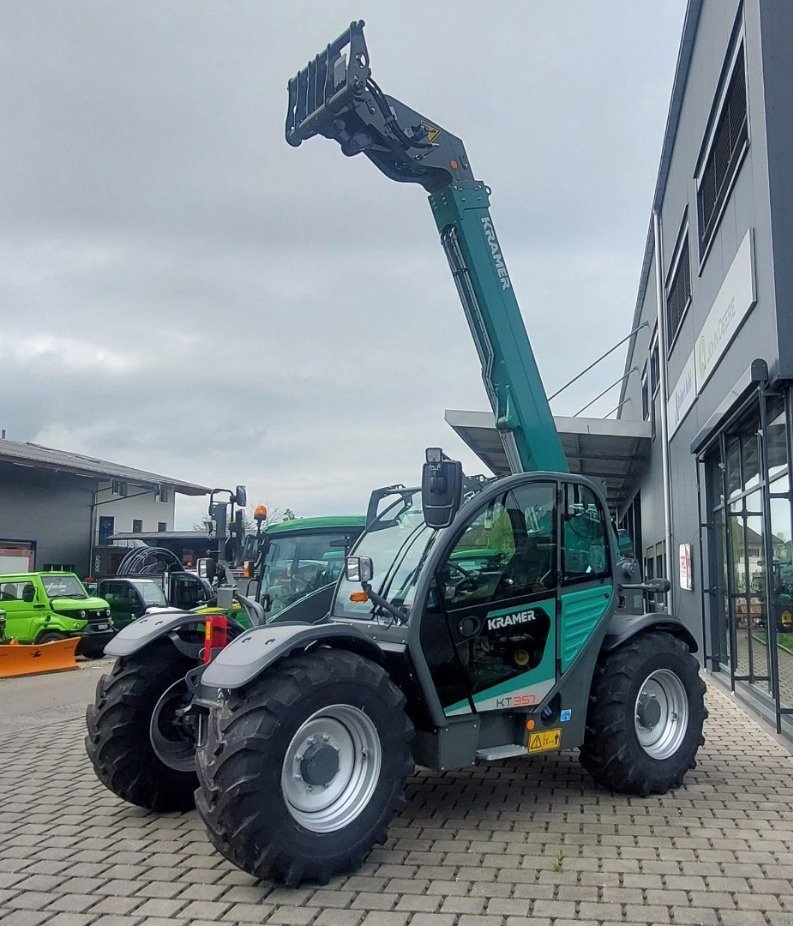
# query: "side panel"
[[581, 612]]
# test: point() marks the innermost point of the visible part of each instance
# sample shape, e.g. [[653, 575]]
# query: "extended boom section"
[[335, 96]]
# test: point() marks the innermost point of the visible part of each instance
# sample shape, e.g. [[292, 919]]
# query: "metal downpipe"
[[661, 316]]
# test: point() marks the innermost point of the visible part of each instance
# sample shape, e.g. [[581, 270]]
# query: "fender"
[[622, 627], [145, 630], [257, 649]]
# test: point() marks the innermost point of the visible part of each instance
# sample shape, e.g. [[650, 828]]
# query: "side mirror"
[[241, 496], [441, 489], [358, 569], [206, 568]]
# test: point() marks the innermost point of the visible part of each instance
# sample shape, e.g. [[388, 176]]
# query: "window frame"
[[738, 156], [565, 580], [682, 248]]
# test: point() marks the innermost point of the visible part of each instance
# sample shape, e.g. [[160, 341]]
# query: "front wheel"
[[645, 717], [303, 770], [141, 747]]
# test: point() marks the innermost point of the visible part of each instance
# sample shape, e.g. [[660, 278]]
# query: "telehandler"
[[477, 619]]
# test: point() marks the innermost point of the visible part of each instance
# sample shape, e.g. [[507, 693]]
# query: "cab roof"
[[305, 525]]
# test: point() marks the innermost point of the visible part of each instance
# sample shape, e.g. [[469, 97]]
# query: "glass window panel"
[[733, 467], [782, 484], [776, 442], [750, 459], [737, 554]]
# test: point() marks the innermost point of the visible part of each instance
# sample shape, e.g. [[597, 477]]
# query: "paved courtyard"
[[509, 843]]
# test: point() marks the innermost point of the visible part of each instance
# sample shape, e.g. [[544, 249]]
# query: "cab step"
[[494, 753]]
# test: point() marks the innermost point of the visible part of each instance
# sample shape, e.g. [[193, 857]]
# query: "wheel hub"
[[331, 768], [649, 712], [661, 714], [319, 764]]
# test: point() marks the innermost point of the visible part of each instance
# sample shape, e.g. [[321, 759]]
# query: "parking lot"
[[495, 846]]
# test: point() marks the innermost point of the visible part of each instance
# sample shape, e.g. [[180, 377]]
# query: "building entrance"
[[746, 544]]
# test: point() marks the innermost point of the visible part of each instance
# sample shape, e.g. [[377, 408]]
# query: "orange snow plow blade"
[[32, 659]]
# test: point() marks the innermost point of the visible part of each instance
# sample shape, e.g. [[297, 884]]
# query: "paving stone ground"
[[503, 844]]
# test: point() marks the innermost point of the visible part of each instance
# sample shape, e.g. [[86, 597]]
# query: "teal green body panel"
[[301, 525], [509, 370], [523, 690], [581, 613]]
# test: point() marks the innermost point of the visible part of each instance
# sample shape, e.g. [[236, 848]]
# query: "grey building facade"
[[715, 350], [52, 504]]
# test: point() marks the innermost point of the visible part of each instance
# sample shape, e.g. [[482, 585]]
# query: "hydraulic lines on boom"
[[335, 96]]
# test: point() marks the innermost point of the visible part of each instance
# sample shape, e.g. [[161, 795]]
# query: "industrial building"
[[58, 510]]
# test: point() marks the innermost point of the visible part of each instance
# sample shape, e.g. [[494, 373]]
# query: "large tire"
[[252, 796], [119, 739], [645, 716]]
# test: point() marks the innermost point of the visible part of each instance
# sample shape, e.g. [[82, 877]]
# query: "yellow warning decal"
[[787, 618], [432, 131], [545, 740]]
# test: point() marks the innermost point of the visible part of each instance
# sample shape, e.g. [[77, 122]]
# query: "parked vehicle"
[[130, 598], [42, 607]]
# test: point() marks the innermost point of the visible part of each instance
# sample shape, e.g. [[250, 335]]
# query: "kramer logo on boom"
[[495, 250]]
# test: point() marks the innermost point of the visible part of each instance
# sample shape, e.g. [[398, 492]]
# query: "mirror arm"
[[399, 616]]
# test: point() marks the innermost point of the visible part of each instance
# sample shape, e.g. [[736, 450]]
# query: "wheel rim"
[[331, 768], [661, 714], [171, 735]]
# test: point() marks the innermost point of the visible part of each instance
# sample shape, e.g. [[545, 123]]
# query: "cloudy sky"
[[183, 292]]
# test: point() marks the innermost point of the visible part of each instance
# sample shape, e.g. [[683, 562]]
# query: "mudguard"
[[145, 630], [622, 627], [250, 654]]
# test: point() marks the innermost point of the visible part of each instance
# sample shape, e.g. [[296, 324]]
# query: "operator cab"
[[504, 596]]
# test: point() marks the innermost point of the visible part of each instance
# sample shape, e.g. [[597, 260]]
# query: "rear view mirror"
[[241, 496], [441, 489], [358, 569], [205, 567]]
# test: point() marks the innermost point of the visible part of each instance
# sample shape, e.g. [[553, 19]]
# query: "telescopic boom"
[[335, 96]]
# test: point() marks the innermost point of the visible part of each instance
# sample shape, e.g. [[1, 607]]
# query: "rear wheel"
[[303, 770], [645, 717], [140, 746]]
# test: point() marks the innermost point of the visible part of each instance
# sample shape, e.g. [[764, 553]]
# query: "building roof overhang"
[[606, 450]]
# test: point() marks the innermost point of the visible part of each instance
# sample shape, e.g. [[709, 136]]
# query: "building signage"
[[686, 572], [683, 395], [731, 306]]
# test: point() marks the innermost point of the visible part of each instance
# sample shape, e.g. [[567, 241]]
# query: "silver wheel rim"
[[661, 714], [343, 742], [171, 741]]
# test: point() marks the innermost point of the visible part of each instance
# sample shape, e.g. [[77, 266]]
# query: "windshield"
[[397, 544], [298, 565], [151, 594], [63, 587]]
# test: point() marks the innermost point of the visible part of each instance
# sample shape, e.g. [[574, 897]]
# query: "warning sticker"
[[787, 618], [432, 131], [545, 740]]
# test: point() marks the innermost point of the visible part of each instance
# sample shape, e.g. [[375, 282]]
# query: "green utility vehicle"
[[140, 738], [477, 620], [45, 606]]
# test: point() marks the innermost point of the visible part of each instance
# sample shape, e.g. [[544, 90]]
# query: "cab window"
[[506, 552], [585, 552]]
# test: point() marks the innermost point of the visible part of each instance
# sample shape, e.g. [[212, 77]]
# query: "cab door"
[[488, 632], [586, 583], [24, 613]]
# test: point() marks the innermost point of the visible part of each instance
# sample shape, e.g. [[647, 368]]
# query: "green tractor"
[[477, 620], [141, 736]]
